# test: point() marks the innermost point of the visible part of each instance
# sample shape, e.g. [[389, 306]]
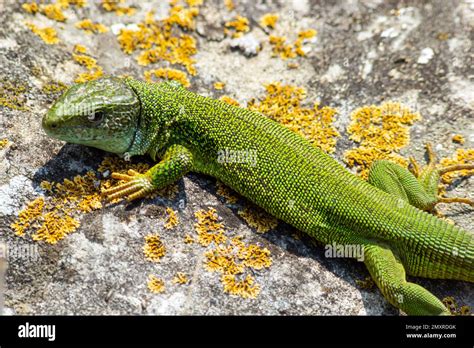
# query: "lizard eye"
[[96, 117]]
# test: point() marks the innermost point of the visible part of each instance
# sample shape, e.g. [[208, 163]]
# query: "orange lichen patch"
[[172, 219], [114, 6], [56, 225], [3, 143], [180, 278], [234, 259], [223, 260], [155, 284], [80, 49], [219, 85], [157, 40], [90, 75], [85, 60], [188, 239], [381, 131], [53, 87], [182, 16], [94, 71], [285, 51], [229, 4], [237, 27], [229, 100], [303, 36], [226, 193], [269, 20], [48, 35], [208, 228], [458, 138], [168, 74], [90, 27], [53, 217], [28, 216], [461, 156], [12, 95], [31, 8], [244, 288], [283, 104], [255, 257], [67, 3], [153, 249], [258, 219], [281, 48], [54, 12]]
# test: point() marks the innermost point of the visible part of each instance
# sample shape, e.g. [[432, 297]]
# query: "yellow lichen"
[[80, 49], [229, 4], [90, 27], [12, 95], [114, 6], [188, 239], [229, 100], [94, 71], [53, 217], [458, 138], [269, 20], [381, 131], [172, 219], [226, 193], [258, 219], [234, 259], [48, 35], [155, 284], [31, 8], [3, 143], [168, 74], [255, 257], [219, 85], [237, 27], [461, 156], [67, 3], [153, 249], [244, 288], [180, 278], [207, 227], [54, 12], [283, 104], [286, 51], [157, 40], [53, 87]]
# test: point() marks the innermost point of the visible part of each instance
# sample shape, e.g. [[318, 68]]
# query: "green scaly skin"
[[282, 173]]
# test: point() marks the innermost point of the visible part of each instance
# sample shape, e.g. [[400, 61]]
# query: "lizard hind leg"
[[388, 273], [396, 180]]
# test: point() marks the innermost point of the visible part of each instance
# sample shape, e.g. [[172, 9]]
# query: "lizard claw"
[[136, 185]]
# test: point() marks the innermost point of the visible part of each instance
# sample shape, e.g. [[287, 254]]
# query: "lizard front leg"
[[418, 186], [176, 162]]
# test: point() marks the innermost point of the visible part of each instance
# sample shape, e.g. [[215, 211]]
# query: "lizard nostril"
[[53, 125]]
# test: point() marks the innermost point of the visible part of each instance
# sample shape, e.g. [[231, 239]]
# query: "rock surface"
[[366, 52]]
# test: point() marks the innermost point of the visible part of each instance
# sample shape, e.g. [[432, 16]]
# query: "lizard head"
[[102, 113]]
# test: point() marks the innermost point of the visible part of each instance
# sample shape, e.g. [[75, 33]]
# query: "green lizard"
[[288, 177]]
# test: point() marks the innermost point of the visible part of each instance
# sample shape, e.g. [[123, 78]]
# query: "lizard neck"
[[158, 111]]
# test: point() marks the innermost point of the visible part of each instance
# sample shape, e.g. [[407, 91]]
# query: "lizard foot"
[[431, 174], [136, 185]]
